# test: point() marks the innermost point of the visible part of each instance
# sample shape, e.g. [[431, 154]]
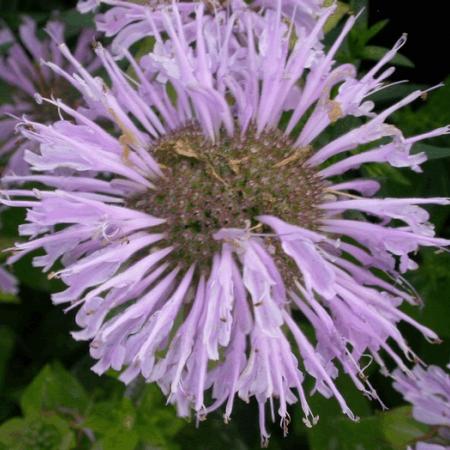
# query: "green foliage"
[[53, 389], [341, 10], [36, 433], [64, 414], [356, 47], [400, 429]]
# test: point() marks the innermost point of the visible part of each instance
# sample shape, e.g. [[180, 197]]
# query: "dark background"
[[428, 36]]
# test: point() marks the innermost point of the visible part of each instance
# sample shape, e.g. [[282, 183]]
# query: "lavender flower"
[[8, 283], [428, 390], [21, 69], [214, 227], [133, 21]]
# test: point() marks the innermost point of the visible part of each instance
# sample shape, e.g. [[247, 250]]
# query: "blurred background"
[[50, 400]]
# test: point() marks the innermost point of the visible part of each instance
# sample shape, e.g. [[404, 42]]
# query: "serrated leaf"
[[53, 389], [375, 53], [114, 423], [37, 433], [111, 414], [400, 429]]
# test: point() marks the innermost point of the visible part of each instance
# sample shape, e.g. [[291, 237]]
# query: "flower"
[[428, 390], [129, 22], [21, 69], [8, 283], [206, 227]]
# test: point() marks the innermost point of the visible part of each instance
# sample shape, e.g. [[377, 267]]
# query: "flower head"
[[215, 225], [22, 70], [129, 22], [428, 390]]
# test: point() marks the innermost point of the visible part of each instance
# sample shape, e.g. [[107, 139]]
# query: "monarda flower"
[[21, 69], [428, 390], [217, 227], [128, 22]]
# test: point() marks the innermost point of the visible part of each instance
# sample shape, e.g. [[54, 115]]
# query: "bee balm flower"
[[128, 22], [21, 69], [428, 390], [214, 225]]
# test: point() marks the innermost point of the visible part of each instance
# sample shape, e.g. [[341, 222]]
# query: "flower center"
[[227, 184]]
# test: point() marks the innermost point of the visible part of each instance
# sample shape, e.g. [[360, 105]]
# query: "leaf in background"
[[375, 53], [433, 112], [432, 151], [340, 11], [400, 429], [75, 22], [336, 431], [53, 389], [395, 92], [157, 423], [36, 433], [114, 423], [9, 298], [432, 281], [376, 28]]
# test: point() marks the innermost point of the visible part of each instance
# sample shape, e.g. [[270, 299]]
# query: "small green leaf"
[[9, 298], [339, 12], [400, 429], [395, 92], [53, 389], [75, 22], [432, 151], [375, 53], [376, 28], [36, 433]]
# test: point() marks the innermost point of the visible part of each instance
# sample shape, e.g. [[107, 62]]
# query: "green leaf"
[[36, 433], [53, 389], [336, 431], [432, 281], [375, 53], [339, 12], [118, 440], [376, 28], [400, 429], [432, 151], [114, 421], [9, 298], [157, 423], [75, 22], [395, 92]]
